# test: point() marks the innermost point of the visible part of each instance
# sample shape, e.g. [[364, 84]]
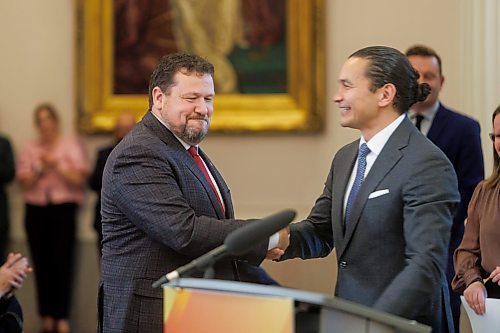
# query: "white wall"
[[266, 173]]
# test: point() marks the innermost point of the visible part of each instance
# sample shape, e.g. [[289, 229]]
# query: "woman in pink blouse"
[[477, 259], [52, 171]]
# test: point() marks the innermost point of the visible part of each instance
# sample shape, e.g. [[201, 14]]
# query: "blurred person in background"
[[7, 173], [124, 123], [52, 171], [477, 259], [458, 136]]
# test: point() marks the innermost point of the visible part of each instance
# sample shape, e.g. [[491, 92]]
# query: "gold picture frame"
[[301, 109]]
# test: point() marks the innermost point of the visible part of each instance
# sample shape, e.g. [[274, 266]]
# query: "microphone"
[[236, 243]]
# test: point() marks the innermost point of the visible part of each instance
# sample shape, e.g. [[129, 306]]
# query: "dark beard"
[[192, 137]]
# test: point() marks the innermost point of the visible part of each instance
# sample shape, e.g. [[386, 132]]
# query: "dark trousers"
[[4, 238], [4, 226], [51, 238]]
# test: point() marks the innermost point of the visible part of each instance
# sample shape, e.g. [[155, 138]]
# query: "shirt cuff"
[[273, 241]]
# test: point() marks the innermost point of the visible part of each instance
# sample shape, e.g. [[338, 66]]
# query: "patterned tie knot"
[[363, 151]]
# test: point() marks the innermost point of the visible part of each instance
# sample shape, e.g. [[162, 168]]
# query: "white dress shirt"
[[376, 144]]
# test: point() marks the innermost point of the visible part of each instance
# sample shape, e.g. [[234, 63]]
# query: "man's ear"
[[157, 95], [387, 94]]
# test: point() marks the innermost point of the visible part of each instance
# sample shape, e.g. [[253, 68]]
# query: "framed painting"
[[268, 57]]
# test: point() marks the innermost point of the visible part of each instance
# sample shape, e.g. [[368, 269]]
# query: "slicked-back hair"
[[494, 179], [388, 65], [425, 51], [170, 64]]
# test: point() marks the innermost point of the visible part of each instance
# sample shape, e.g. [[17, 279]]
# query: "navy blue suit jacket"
[[458, 136]]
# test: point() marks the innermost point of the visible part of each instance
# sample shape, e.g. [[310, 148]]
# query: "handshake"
[[277, 250]]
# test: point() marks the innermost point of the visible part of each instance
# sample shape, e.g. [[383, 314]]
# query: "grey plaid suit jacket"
[[392, 253], [159, 213]]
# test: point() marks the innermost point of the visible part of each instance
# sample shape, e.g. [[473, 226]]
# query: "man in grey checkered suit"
[[160, 209]]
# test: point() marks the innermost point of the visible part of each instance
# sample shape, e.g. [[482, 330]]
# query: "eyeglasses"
[[494, 137]]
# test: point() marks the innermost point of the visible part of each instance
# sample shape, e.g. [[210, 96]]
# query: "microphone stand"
[[209, 272], [201, 264]]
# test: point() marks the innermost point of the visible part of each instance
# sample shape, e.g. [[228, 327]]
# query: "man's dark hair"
[[425, 51], [170, 64], [388, 65]]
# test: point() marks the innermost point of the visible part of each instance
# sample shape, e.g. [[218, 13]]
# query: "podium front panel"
[[192, 310]]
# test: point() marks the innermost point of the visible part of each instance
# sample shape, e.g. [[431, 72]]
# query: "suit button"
[[342, 264]]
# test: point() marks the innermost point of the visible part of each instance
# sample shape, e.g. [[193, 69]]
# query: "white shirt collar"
[[428, 114], [185, 145], [378, 141]]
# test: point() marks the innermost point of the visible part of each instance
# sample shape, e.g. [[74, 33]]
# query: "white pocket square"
[[378, 193]]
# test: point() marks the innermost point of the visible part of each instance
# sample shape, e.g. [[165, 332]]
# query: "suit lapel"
[[341, 179], [438, 124], [221, 184], [183, 155], [385, 162]]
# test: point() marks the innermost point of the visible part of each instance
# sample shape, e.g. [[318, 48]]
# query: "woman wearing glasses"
[[477, 260]]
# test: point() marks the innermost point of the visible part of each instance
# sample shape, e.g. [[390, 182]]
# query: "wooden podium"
[[209, 306]]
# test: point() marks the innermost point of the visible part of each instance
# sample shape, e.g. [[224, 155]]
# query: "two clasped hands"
[[13, 273], [475, 294], [275, 252]]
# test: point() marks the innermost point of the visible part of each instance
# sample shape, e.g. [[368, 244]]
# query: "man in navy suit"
[[458, 136], [163, 201]]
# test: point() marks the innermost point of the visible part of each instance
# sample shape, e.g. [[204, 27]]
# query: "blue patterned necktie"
[[360, 173]]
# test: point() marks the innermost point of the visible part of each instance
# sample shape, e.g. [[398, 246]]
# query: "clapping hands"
[[13, 272]]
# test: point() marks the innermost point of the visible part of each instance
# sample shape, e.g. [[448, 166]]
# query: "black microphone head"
[[243, 239]]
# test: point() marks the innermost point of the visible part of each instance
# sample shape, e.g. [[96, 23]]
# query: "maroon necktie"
[[197, 158]]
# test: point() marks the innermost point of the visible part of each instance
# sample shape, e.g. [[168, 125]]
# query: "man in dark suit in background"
[[7, 173], [458, 136], [163, 201], [388, 202], [124, 123]]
